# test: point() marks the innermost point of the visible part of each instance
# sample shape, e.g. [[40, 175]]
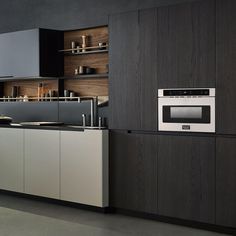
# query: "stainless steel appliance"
[[186, 109]]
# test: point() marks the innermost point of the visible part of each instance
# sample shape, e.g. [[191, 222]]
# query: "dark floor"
[[23, 217]]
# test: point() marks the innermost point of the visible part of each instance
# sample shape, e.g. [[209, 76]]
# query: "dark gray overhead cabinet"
[[31, 53]]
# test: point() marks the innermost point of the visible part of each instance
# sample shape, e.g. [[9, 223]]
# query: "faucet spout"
[[93, 103]]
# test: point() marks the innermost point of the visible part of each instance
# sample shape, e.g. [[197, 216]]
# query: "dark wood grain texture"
[[226, 69], [225, 182], [133, 171], [133, 86], [124, 88], [148, 70], [186, 45], [186, 177]]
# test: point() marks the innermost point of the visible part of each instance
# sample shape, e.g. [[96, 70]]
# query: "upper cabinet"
[[226, 69], [132, 70], [168, 47], [186, 45], [31, 53]]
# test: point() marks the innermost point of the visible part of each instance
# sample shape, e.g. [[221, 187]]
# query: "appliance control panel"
[[187, 92]]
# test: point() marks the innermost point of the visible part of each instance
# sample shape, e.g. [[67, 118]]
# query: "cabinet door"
[[225, 182], [11, 159], [186, 177], [42, 162], [84, 167], [123, 69], [133, 86], [226, 69], [19, 53], [186, 45], [133, 171]]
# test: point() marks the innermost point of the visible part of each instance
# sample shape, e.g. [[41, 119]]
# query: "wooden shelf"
[[85, 53], [85, 77], [8, 79], [95, 48]]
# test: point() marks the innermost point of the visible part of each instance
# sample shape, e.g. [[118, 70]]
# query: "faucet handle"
[[84, 119], [99, 122]]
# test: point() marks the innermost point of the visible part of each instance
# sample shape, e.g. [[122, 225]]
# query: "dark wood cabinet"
[[226, 69], [132, 68], [226, 182], [186, 45], [133, 171], [186, 177]]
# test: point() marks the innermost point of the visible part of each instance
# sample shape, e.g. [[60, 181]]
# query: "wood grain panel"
[[95, 35], [226, 69], [133, 171], [30, 88], [92, 87], [125, 86], [225, 181], [186, 177], [98, 61], [186, 45]]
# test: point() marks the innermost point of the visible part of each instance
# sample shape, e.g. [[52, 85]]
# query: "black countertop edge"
[[173, 133], [42, 127]]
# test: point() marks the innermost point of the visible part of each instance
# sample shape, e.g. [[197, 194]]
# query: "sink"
[[42, 123]]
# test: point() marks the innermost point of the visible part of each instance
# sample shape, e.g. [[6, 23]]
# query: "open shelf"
[[69, 53], [85, 77], [9, 79]]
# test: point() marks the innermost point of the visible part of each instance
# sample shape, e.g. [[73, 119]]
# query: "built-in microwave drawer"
[[186, 113]]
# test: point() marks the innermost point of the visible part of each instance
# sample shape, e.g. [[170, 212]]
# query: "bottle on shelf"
[[40, 91], [84, 43]]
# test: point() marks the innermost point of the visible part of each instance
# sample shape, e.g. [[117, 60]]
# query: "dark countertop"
[[42, 127]]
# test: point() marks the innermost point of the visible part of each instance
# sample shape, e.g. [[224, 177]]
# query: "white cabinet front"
[[84, 167], [11, 159], [42, 161]]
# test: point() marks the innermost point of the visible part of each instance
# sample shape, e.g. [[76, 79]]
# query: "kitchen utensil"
[[102, 46], [82, 70], [72, 46], [84, 43], [66, 93], [14, 91]]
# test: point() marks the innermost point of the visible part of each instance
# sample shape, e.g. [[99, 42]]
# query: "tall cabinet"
[[226, 70], [186, 45], [133, 85], [226, 113]]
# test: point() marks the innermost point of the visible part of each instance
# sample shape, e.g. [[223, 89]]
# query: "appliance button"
[[185, 127]]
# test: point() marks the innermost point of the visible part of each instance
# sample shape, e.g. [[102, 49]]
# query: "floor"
[[24, 217]]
